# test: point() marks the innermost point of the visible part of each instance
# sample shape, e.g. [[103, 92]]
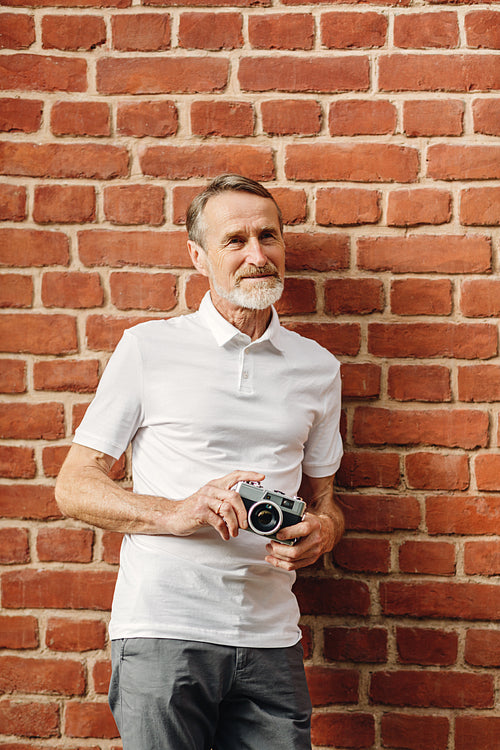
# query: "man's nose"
[[255, 253]]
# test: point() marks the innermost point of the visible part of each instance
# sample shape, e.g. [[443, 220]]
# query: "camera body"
[[268, 511]]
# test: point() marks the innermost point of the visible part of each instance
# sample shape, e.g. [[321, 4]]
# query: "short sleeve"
[[323, 450], [115, 414]]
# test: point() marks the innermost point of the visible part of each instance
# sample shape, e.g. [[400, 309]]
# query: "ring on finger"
[[218, 509]]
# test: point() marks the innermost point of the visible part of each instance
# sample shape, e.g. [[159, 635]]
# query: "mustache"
[[253, 271]]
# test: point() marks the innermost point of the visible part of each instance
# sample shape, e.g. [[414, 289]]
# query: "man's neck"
[[251, 322]]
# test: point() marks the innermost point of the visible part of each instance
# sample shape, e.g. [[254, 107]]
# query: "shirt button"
[[245, 375]]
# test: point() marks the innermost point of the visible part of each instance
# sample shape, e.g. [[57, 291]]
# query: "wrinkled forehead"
[[235, 210]]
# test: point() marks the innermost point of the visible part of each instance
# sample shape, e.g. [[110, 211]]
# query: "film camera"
[[268, 511]]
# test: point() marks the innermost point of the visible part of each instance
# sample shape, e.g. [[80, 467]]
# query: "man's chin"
[[259, 297]]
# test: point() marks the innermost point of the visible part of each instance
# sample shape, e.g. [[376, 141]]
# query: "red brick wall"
[[376, 126]]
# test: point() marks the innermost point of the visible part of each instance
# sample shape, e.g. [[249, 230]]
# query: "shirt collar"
[[223, 331]]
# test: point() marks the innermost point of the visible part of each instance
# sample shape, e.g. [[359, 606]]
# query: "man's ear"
[[198, 256]]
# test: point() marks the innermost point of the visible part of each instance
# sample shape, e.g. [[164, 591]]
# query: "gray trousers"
[[184, 695]]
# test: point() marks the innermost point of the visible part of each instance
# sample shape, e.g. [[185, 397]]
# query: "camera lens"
[[265, 518]]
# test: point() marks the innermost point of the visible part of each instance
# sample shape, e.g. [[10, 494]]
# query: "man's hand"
[[317, 535], [215, 504]]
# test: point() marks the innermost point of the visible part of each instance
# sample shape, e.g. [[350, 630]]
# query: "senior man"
[[205, 639]]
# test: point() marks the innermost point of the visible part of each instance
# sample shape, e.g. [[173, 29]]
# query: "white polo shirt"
[[198, 399]]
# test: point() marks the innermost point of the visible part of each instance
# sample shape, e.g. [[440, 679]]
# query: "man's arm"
[[319, 531], [85, 491]]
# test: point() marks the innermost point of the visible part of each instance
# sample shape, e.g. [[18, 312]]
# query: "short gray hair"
[[222, 184]]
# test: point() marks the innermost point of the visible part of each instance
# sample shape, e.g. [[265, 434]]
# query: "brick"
[[437, 471], [33, 247], [480, 298], [299, 297], [78, 413], [30, 719], [141, 32], [101, 247], [292, 203], [17, 462], [12, 376], [433, 117], [27, 72], [477, 732], [425, 254], [73, 289], [28, 501], [359, 117], [356, 162], [344, 730], [80, 119], [78, 376], [143, 291], [419, 383], [150, 75], [363, 555], [298, 74], [421, 297], [380, 513], [281, 31], [17, 30], [316, 251], [482, 29], [487, 476], [365, 469], [101, 675], [59, 589], [90, 720], [140, 119], [103, 332], [482, 558], [427, 558], [44, 676], [457, 428], [347, 206], [428, 72], [356, 644], [64, 204], [426, 646], [134, 204], [12, 203], [480, 206], [331, 596], [64, 634], [222, 118], [183, 162], [65, 545], [482, 648], [18, 631], [432, 689], [211, 31], [353, 296], [346, 30], [196, 288], [291, 117], [422, 30], [327, 685], [461, 340], [344, 338], [418, 206], [14, 546], [53, 457], [360, 380], [414, 732], [479, 383], [16, 290], [462, 515], [23, 115], [38, 334], [31, 421], [447, 162], [111, 545], [102, 162], [73, 32], [486, 116]]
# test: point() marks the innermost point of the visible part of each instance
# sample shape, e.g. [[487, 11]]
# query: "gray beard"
[[262, 295]]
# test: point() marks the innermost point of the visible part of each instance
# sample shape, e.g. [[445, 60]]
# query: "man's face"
[[244, 249]]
